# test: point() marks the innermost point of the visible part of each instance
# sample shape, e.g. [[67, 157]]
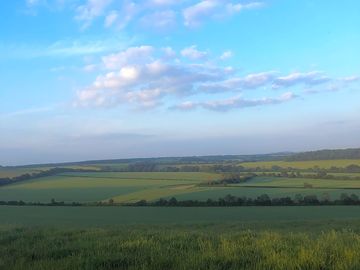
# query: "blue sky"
[[99, 79]]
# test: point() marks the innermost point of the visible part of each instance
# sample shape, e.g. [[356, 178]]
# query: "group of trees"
[[319, 175], [231, 178], [52, 202], [263, 200], [326, 155], [228, 200]]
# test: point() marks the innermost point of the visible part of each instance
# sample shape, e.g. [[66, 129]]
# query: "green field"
[[90, 187], [150, 186], [324, 237], [114, 216], [224, 248]]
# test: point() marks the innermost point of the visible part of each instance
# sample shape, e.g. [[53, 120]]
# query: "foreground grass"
[[176, 248]]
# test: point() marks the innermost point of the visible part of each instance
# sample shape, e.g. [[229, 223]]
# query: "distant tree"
[[263, 199], [298, 198], [308, 185], [173, 201]]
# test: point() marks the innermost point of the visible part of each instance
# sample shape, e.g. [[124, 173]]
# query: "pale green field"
[[299, 183], [325, 164]]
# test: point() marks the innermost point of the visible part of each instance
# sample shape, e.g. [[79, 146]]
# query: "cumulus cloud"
[[194, 15], [140, 76], [147, 77]]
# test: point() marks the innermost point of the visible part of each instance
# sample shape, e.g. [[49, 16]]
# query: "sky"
[[103, 79]]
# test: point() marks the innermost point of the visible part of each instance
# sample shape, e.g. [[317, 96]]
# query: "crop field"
[[90, 187], [178, 249], [323, 237]]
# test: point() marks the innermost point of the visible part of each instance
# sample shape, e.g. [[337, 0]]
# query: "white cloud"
[[31, 3], [132, 55], [159, 19], [146, 77], [236, 102], [92, 9], [90, 68], [226, 55], [310, 78], [111, 18], [137, 76], [169, 52], [250, 81], [234, 8], [164, 2], [194, 15], [193, 53], [350, 79]]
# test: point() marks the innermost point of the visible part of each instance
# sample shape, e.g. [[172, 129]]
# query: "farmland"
[[94, 184], [98, 234]]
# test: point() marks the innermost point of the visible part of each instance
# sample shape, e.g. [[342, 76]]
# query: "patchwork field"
[[91, 187], [114, 237]]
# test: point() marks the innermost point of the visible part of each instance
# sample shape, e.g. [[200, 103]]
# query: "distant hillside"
[[326, 155], [176, 160]]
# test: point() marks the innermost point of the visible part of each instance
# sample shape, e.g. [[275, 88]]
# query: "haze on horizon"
[[103, 79]]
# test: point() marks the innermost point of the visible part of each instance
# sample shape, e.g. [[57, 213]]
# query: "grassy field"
[[42, 238], [178, 248]]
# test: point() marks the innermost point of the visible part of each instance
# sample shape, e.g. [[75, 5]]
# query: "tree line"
[[227, 201]]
